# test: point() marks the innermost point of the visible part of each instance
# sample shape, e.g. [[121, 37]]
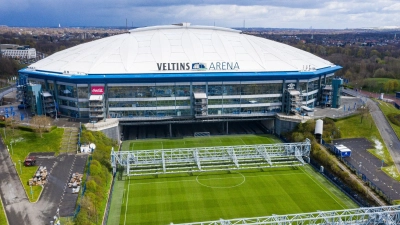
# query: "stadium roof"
[[180, 48]]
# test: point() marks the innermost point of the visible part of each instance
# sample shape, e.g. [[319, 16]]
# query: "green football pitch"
[[199, 142], [209, 196]]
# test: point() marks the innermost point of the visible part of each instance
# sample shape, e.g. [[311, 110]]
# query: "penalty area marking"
[[232, 186]]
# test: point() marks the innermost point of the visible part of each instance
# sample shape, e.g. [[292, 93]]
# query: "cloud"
[[256, 13]]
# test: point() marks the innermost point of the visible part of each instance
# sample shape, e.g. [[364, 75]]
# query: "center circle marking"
[[232, 186]]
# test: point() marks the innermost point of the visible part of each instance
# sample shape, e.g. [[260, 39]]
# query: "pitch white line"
[[176, 181], [329, 194], [126, 206]]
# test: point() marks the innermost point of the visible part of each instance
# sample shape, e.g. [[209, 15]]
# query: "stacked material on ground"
[[75, 182], [40, 177]]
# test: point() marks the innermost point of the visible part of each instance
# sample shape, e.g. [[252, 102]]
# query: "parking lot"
[[56, 192], [369, 165]]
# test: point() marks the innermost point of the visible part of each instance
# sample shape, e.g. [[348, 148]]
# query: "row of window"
[[187, 112], [72, 91], [176, 90]]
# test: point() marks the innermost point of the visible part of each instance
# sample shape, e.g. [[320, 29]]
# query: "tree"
[[40, 124], [10, 122], [364, 110]]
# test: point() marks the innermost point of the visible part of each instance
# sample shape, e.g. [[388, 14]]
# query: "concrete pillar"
[[170, 130], [227, 127]]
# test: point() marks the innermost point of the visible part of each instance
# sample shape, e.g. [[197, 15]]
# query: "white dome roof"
[[171, 49]]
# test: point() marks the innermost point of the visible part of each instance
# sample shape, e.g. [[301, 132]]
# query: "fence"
[[396, 105], [347, 190], [369, 182], [107, 211], [79, 137], [78, 208], [362, 176]]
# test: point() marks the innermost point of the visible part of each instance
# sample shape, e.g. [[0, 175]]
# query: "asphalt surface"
[[388, 135], [369, 165], [349, 106], [55, 194], [16, 204]]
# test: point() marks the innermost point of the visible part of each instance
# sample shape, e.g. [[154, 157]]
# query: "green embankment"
[[20, 143]]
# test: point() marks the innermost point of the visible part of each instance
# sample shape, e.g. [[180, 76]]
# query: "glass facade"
[[67, 90], [83, 92], [177, 99], [312, 85]]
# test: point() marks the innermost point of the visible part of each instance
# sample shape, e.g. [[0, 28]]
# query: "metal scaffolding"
[[385, 215], [181, 160]]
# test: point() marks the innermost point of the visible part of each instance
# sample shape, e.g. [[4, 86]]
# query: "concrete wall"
[[283, 126], [269, 124], [112, 132]]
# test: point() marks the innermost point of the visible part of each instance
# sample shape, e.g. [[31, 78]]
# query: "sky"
[[318, 14]]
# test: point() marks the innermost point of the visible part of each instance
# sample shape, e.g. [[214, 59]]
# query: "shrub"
[[52, 128], [25, 128], [394, 118]]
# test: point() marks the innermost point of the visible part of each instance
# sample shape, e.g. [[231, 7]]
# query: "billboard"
[[97, 90]]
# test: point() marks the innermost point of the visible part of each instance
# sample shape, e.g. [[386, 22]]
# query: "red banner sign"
[[97, 90]]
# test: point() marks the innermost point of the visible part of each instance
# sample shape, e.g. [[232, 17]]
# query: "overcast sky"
[[256, 13]]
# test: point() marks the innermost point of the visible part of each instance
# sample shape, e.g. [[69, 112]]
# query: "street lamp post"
[[20, 166], [55, 107], [31, 191], [12, 149]]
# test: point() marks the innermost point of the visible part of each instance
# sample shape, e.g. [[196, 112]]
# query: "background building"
[[18, 52], [175, 74]]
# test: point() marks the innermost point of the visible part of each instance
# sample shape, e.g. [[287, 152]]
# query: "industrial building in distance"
[[17, 51], [180, 74]]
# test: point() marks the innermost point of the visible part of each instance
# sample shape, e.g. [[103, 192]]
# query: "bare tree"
[[40, 124], [10, 122], [364, 111]]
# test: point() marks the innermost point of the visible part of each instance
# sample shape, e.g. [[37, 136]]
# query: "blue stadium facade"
[[172, 73]]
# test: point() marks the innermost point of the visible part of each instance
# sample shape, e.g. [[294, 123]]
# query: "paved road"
[[55, 194], [390, 138], [15, 201]]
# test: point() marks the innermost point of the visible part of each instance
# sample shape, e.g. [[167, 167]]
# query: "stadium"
[[176, 74], [182, 80]]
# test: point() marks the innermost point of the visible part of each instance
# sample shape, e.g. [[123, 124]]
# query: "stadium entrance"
[[179, 130]]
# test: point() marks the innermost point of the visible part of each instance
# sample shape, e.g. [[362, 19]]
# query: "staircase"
[[69, 140]]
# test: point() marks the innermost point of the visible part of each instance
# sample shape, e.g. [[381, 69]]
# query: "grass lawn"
[[211, 196], [21, 143], [352, 127], [388, 108], [3, 218], [376, 85], [183, 198], [224, 140]]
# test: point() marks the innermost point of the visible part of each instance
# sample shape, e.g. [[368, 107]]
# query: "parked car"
[[30, 161]]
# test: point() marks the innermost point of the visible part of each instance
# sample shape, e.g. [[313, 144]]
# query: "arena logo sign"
[[97, 90], [198, 66]]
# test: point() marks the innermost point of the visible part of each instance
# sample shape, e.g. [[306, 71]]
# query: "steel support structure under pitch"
[[385, 215], [181, 160]]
